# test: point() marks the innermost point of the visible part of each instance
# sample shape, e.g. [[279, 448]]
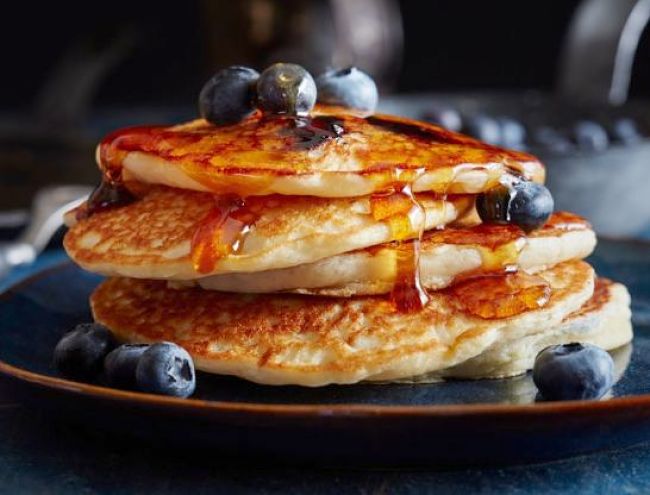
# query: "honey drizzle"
[[498, 245], [225, 227], [222, 231], [314, 131], [500, 296], [111, 191], [405, 216]]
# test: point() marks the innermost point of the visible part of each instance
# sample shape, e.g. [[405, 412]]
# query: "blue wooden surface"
[[38, 455]]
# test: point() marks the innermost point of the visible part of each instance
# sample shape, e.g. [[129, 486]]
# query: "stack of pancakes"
[[333, 249]]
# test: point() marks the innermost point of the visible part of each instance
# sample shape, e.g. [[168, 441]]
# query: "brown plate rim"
[[314, 410]]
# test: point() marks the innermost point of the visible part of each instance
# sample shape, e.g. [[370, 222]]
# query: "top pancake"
[[333, 153]]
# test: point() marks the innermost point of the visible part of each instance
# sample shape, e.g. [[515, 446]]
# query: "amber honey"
[[405, 216], [221, 232], [500, 296], [276, 146]]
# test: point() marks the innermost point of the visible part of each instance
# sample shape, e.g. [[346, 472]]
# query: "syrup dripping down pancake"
[[445, 255], [604, 320], [180, 234], [333, 153], [311, 341]]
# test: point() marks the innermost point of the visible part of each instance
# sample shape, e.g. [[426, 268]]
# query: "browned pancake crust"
[[600, 298], [345, 338], [240, 157], [167, 217], [162, 223]]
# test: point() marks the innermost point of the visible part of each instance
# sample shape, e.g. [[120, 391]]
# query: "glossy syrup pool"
[[35, 315]]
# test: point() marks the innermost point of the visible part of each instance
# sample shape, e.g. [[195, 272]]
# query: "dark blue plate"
[[444, 423]]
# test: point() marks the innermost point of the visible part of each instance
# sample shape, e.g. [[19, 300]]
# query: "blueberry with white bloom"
[[590, 136], [483, 127], [573, 371], [349, 87], [626, 131], [166, 368]]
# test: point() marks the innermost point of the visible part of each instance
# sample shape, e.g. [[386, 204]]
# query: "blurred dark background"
[[163, 52], [73, 71]]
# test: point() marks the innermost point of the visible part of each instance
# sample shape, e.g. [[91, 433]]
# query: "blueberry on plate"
[[286, 89], [483, 128], [229, 95], [166, 368], [590, 136], [80, 353], [120, 365], [573, 371], [523, 203], [349, 87]]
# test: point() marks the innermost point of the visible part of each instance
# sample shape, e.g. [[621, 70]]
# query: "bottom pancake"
[[315, 341], [604, 320]]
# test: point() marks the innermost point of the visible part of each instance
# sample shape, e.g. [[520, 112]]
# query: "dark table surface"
[[41, 455]]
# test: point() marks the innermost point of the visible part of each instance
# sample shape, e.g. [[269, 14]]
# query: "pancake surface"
[[335, 153], [315, 341], [604, 320], [152, 237], [444, 255]]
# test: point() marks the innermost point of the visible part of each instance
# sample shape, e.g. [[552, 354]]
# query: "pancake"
[[444, 256], [604, 320], [333, 153], [152, 237], [311, 341]]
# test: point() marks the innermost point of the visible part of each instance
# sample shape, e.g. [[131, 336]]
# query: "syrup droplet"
[[111, 191], [224, 229], [221, 232], [314, 131], [408, 294], [105, 196]]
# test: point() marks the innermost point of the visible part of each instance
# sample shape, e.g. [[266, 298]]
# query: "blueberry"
[[573, 371], [625, 131], [229, 95], [483, 128], [80, 353], [166, 368], [120, 365], [590, 136], [349, 87], [551, 139], [286, 89], [513, 133], [523, 203], [444, 116]]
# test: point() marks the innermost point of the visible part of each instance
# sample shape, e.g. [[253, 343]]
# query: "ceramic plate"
[[443, 423]]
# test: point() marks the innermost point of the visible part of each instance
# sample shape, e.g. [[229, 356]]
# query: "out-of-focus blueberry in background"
[[552, 78]]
